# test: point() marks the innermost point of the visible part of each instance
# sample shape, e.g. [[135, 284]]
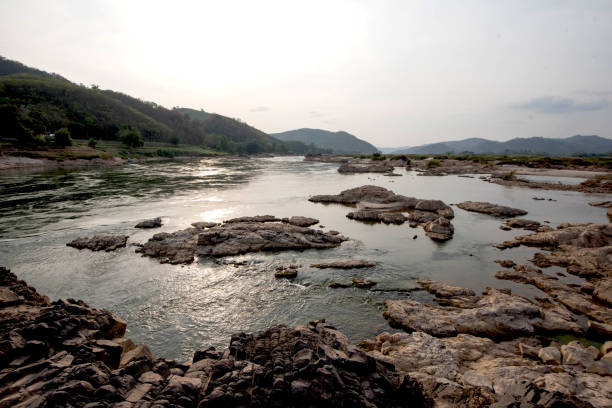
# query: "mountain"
[[337, 142], [533, 145], [34, 102]]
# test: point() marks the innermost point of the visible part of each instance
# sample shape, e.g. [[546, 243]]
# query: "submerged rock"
[[491, 209], [152, 223], [286, 271], [348, 264], [100, 242], [495, 314]]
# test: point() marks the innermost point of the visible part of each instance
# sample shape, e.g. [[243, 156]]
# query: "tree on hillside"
[[130, 137], [62, 138]]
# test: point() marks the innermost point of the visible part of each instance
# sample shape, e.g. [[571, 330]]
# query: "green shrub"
[[62, 138], [433, 163], [92, 143], [130, 137]]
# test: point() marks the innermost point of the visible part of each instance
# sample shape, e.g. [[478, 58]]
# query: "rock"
[[606, 347], [377, 215], [505, 228], [495, 314], [348, 264], [335, 285], [374, 167], [301, 221], [152, 223], [8, 297], [204, 224], [523, 224], [241, 237], [563, 293], [288, 272], [363, 283], [469, 371], [528, 351], [576, 235], [140, 351], [575, 354], [506, 263], [100, 242], [603, 291], [306, 366], [491, 209], [445, 290], [236, 236], [439, 230], [599, 331], [422, 217], [550, 355], [604, 204]]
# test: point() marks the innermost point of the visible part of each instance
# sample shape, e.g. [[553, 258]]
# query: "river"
[[178, 309]]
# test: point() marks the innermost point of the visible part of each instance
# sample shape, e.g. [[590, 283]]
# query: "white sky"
[[395, 73]]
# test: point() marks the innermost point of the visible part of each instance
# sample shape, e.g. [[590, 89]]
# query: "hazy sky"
[[396, 73]]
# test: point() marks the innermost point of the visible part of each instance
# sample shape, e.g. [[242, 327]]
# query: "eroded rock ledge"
[[66, 354], [379, 204], [239, 236]]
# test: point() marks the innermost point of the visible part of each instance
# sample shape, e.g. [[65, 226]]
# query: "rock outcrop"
[[373, 167], [523, 223], [152, 223], [348, 264], [491, 209], [66, 354], [381, 205], [100, 242], [238, 236], [470, 371], [570, 296], [495, 314]]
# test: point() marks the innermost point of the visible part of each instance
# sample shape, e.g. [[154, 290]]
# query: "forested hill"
[[33, 103], [574, 145], [339, 142]]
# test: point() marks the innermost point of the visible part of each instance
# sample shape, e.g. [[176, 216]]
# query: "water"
[[177, 309]]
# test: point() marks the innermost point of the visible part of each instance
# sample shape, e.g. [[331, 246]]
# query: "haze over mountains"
[[573, 145], [339, 142]]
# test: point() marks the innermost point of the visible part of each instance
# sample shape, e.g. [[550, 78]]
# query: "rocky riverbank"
[[67, 354]]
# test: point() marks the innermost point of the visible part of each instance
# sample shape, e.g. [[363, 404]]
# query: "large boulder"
[[439, 230]]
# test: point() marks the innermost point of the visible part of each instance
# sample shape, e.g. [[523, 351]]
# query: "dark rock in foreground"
[[152, 223], [491, 209], [238, 236], [100, 242], [66, 354]]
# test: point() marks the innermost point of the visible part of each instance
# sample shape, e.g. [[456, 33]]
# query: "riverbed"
[[177, 309]]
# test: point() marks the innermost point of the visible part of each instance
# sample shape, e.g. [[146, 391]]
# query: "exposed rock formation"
[[576, 235], [348, 264], [372, 167], [152, 223], [491, 209], [495, 314], [100, 242], [301, 221], [523, 224], [286, 271], [439, 230], [378, 215], [66, 354], [470, 371], [570, 296], [237, 236]]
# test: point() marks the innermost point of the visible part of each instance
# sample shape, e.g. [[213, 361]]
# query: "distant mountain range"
[[532, 145], [338, 142]]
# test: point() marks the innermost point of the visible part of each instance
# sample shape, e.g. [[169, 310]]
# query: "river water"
[[178, 309]]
